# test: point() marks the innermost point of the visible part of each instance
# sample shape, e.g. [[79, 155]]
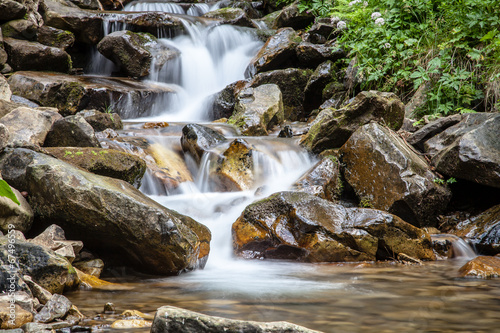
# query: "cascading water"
[[342, 298]]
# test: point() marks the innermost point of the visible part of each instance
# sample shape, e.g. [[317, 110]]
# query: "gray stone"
[[71, 131], [277, 53], [233, 16], [469, 150], [172, 319], [292, 82], [102, 120], [19, 29], [258, 109], [311, 55], [45, 267], [12, 10], [134, 52], [5, 92], [110, 216], [42, 294], [54, 238], [418, 138], [54, 37], [26, 55], [28, 127], [387, 174], [57, 307], [292, 17], [92, 267]]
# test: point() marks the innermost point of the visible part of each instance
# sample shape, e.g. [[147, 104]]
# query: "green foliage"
[[441, 181], [449, 47], [6, 191]]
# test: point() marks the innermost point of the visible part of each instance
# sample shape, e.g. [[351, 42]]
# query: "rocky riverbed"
[[158, 142]]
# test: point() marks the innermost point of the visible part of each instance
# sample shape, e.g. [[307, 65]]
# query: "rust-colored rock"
[[300, 226], [482, 267]]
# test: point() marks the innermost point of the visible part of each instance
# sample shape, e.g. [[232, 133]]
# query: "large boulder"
[[26, 55], [469, 150], [70, 93], [110, 216], [28, 127], [483, 231], [258, 109], [233, 16], [387, 174], [172, 319], [197, 139], [134, 52], [46, 268], [322, 180], [20, 216], [332, 128], [292, 82], [303, 227], [71, 131], [418, 138], [278, 52], [104, 162]]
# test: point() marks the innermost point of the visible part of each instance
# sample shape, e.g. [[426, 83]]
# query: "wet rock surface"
[[481, 267], [145, 233], [469, 150], [483, 231], [332, 128], [234, 170], [299, 226], [234, 16], [322, 180], [291, 82], [20, 216], [169, 318], [387, 174], [278, 52], [258, 109], [71, 94], [197, 139], [134, 53]]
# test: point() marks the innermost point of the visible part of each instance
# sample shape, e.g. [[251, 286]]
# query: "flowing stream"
[[364, 297]]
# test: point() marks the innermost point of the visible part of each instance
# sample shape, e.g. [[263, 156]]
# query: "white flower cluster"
[[334, 19], [380, 21], [341, 25], [352, 3], [387, 45], [376, 15]]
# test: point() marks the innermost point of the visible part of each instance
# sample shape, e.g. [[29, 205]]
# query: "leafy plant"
[[6, 191], [448, 49]]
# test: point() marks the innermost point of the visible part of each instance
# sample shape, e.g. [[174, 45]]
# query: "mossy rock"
[[104, 162]]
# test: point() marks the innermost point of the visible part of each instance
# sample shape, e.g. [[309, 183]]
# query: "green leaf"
[[6, 191], [490, 35]]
